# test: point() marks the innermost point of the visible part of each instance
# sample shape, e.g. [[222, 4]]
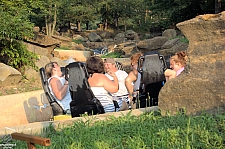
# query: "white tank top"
[[65, 102]]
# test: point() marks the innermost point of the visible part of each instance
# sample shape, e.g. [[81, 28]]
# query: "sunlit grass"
[[141, 132]]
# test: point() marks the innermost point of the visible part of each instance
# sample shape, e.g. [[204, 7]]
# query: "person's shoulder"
[[108, 76], [100, 77], [121, 72], [54, 78], [135, 71]]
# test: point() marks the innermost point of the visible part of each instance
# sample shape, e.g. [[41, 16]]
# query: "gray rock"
[[43, 60], [169, 33], [152, 44], [170, 43], [93, 37], [9, 75], [59, 61], [180, 46], [201, 86]]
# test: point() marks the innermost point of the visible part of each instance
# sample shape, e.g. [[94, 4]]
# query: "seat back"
[[152, 68], [119, 65], [83, 99], [56, 108]]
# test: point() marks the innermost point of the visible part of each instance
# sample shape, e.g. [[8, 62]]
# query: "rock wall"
[[201, 87]]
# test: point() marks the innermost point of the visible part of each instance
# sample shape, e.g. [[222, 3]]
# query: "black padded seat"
[[56, 108], [83, 99], [152, 69], [119, 65]]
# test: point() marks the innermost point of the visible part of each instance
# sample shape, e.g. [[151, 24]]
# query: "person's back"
[[100, 84]]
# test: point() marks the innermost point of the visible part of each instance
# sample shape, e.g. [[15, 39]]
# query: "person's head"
[[53, 68], [95, 65], [110, 65], [178, 61], [134, 59]]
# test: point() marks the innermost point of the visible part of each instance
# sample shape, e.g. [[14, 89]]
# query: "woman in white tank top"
[[58, 85]]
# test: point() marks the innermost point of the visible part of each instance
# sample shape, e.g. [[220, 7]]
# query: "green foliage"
[[14, 23], [15, 27], [63, 48], [182, 39], [170, 12], [77, 41], [17, 55], [112, 54], [140, 132]]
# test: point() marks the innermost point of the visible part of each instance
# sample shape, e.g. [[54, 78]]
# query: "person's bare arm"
[[109, 85], [169, 74], [58, 89], [128, 82]]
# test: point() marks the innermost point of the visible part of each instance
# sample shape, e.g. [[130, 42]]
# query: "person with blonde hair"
[[58, 85], [177, 64], [133, 79]]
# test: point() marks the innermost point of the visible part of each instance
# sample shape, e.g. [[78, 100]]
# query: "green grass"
[[63, 48], [147, 131], [112, 54]]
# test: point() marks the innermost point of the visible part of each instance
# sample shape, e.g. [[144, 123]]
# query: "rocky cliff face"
[[201, 87]]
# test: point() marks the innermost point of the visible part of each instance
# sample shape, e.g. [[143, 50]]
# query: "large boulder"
[[65, 41], [169, 33], [131, 35], [180, 46], [42, 45], [120, 38], [151, 44], [9, 75], [94, 37], [201, 86]]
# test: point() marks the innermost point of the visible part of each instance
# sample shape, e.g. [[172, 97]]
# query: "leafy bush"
[[16, 55], [112, 54]]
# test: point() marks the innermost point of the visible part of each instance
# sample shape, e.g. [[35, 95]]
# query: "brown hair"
[[135, 57], [48, 69], [180, 57], [95, 65]]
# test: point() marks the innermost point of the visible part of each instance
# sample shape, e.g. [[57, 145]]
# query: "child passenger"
[[177, 64]]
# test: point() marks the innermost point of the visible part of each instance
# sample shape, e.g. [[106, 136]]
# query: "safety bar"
[[31, 140]]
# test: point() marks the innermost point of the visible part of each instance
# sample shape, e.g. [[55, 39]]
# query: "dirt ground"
[[23, 86]]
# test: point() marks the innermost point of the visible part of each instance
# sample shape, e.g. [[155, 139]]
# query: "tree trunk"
[[125, 26], [116, 23], [217, 6], [54, 21], [78, 26], [46, 25], [105, 24], [87, 25]]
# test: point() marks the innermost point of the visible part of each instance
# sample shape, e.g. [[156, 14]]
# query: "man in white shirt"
[[122, 93]]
